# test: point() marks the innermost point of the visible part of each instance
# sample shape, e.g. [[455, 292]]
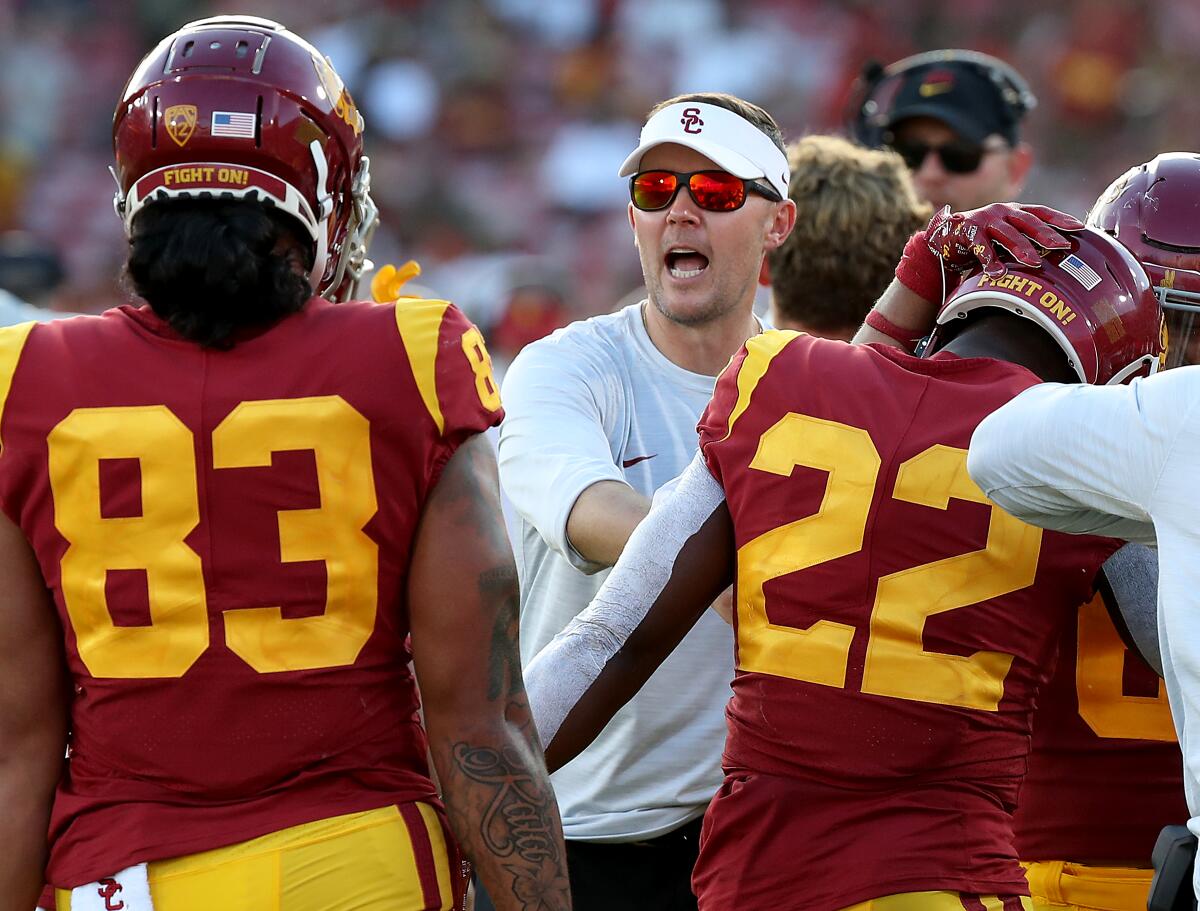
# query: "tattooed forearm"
[[517, 824], [499, 586], [515, 818]]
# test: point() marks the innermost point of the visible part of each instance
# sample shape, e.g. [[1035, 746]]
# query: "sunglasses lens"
[[960, 158], [913, 153], [653, 190], [717, 191], [955, 157]]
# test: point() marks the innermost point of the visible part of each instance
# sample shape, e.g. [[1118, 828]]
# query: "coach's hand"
[[966, 240]]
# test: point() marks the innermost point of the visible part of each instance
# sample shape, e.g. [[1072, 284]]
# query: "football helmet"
[[1094, 300], [239, 107], [1154, 210]]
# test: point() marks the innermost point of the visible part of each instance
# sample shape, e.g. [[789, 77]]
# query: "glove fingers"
[[1060, 220], [988, 259], [1039, 231], [1016, 243]]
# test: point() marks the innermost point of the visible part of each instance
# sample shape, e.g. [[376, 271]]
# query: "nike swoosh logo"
[[629, 463]]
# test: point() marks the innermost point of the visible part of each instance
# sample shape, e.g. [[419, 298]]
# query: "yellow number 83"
[[155, 541]]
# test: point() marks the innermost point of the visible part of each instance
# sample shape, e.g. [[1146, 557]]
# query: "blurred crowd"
[[495, 127]]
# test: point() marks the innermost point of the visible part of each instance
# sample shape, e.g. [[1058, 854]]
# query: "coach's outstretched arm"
[[679, 559], [463, 605], [33, 713]]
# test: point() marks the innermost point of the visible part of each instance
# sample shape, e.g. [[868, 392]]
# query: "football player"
[[1105, 769], [242, 500], [892, 626]]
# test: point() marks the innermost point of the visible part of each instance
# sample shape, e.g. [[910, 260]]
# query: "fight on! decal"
[[210, 177], [180, 121]]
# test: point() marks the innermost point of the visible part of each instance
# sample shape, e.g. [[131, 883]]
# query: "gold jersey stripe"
[[437, 840], [420, 324], [12, 343], [760, 351]]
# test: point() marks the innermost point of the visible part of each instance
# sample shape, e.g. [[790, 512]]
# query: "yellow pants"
[[1057, 885], [936, 901], [368, 861]]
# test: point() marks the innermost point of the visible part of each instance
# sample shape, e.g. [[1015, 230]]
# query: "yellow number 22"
[[897, 663]]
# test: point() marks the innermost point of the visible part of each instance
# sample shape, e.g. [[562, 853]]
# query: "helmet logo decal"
[[1168, 279], [337, 95], [180, 121], [691, 120]]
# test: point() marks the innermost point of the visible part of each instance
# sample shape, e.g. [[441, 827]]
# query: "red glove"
[[966, 240]]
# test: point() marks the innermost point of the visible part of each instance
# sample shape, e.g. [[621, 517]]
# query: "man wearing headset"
[[954, 117]]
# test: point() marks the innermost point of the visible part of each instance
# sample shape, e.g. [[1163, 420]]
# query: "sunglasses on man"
[[713, 191], [957, 157]]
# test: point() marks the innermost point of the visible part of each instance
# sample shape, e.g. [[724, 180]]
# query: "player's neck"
[[703, 348]]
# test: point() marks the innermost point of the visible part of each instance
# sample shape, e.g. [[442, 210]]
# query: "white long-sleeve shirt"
[[597, 401], [1121, 461]]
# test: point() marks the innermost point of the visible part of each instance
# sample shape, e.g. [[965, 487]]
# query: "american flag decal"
[[1080, 271], [235, 124]]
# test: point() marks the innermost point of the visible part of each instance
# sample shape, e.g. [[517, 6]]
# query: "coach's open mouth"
[[685, 262]]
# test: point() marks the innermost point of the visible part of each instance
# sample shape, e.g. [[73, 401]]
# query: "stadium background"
[[495, 126]]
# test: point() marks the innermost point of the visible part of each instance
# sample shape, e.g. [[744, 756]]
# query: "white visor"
[[734, 144]]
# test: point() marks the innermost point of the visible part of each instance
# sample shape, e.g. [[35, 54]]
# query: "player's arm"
[[952, 244], [556, 463], [677, 561], [463, 601], [1084, 459], [33, 712]]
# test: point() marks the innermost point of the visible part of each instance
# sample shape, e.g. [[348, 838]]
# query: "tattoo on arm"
[[519, 823], [504, 659], [512, 825]]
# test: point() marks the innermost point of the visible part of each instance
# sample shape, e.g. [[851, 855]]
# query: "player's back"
[[226, 533], [892, 625], [1105, 771]]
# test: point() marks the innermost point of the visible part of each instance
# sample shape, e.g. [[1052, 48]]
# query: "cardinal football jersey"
[[226, 534], [893, 627], [1105, 773]]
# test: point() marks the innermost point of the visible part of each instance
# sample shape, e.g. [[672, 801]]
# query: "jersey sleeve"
[[452, 370], [734, 390]]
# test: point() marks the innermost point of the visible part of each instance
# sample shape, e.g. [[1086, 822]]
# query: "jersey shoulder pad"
[[450, 365]]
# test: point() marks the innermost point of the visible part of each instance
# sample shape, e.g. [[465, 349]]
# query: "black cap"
[[962, 95]]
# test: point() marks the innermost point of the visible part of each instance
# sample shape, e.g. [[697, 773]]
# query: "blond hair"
[[856, 208]]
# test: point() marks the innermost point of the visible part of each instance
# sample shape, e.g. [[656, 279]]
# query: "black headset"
[[870, 98]]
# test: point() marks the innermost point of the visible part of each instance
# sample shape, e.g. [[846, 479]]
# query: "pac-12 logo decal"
[[691, 120], [180, 120], [110, 887]]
